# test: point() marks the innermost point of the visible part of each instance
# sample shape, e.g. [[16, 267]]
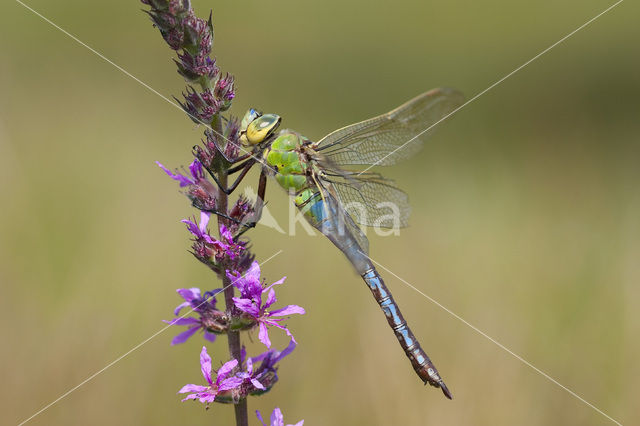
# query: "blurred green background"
[[525, 212]]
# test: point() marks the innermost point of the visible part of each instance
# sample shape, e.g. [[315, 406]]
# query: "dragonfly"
[[321, 179]]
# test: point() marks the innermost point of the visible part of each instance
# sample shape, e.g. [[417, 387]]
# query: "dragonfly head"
[[257, 127]]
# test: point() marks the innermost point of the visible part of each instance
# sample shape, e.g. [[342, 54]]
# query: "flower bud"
[[197, 37], [242, 211], [232, 132], [201, 198], [193, 67], [200, 106], [225, 91]]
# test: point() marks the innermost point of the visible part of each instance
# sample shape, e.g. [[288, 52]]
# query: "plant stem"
[[242, 418]]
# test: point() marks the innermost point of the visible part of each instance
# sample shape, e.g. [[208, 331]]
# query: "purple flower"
[[199, 231], [250, 285], [256, 381], [202, 193], [276, 419], [234, 248], [195, 169], [209, 318], [207, 247], [266, 373], [251, 376], [271, 357], [212, 252], [207, 394], [250, 302]]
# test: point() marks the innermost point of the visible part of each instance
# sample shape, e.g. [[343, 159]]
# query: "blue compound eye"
[[248, 118]]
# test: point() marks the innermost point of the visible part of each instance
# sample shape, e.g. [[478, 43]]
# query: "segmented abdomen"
[[324, 214], [418, 358]]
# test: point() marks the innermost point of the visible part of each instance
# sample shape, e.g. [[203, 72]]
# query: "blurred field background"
[[525, 212]]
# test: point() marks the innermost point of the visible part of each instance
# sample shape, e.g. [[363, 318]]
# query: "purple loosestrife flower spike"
[[192, 38], [277, 419], [208, 94], [210, 320], [207, 394], [250, 302]]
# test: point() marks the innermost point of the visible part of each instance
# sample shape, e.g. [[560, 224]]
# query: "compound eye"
[[261, 128], [250, 115]]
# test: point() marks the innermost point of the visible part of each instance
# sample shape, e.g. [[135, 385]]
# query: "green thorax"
[[286, 159]]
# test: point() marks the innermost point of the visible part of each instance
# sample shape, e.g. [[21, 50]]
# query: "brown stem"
[[242, 418]]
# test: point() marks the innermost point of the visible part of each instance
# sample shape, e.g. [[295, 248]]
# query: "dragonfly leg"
[[240, 166], [243, 157], [257, 213], [244, 167], [215, 179], [226, 216]]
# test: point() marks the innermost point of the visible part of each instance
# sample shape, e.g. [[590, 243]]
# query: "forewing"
[[391, 137]]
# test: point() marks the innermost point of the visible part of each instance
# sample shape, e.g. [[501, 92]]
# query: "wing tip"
[[449, 92]]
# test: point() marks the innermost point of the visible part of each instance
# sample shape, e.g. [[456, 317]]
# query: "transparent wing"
[[362, 240], [391, 137], [370, 199], [342, 217]]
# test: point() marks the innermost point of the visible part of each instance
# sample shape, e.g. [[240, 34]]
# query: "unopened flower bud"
[[193, 67], [196, 35], [242, 211], [225, 91], [200, 107]]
